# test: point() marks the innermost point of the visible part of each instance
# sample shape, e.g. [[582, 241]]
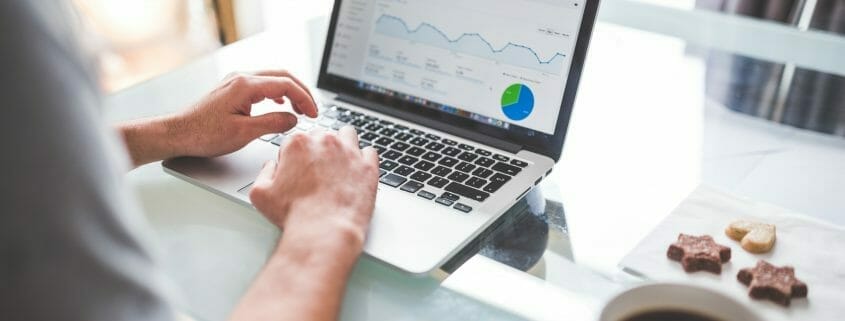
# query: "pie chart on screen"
[[517, 102]]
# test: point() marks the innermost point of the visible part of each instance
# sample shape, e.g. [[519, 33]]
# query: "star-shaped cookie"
[[767, 281], [699, 253]]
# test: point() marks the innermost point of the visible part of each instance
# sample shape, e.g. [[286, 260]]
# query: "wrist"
[[322, 227], [148, 140]]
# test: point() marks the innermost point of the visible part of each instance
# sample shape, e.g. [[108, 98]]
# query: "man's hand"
[[220, 123], [322, 182], [322, 191]]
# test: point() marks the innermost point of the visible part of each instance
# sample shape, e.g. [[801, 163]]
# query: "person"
[[72, 245]]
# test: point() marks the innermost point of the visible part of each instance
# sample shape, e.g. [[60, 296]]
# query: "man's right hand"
[[322, 185], [322, 191]]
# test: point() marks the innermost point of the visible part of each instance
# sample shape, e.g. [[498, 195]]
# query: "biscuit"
[[755, 237], [778, 284], [699, 253]]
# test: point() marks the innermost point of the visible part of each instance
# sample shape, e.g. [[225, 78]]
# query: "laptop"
[[466, 101]]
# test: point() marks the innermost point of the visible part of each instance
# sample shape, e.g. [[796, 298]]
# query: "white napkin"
[[816, 249]]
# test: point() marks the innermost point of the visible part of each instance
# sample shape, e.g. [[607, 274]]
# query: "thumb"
[[265, 176], [278, 122]]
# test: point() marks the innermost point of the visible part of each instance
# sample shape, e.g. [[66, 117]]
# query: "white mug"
[[675, 296]]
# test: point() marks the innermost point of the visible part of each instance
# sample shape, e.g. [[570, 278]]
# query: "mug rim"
[[658, 284]]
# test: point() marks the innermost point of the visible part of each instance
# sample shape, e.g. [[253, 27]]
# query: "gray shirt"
[[70, 236]]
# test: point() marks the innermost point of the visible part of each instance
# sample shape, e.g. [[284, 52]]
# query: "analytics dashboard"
[[502, 62]]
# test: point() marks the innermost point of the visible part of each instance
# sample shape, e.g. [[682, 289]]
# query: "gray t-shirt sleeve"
[[70, 235]]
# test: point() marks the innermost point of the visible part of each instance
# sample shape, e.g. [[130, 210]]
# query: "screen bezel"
[[531, 140]]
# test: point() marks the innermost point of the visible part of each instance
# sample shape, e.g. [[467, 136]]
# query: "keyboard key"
[[482, 172], [441, 171], [387, 165], [404, 137], [268, 137], [419, 141], [379, 149], [467, 192], [462, 208], [392, 180], [443, 201], [381, 172], [438, 182], [404, 170], [387, 132], [415, 151], [374, 127], [391, 154], [385, 122], [426, 195], [465, 167], [484, 161], [450, 196], [424, 166], [451, 151], [362, 144], [500, 178], [507, 169], [476, 182], [359, 123], [420, 176], [431, 156], [468, 156], [411, 187], [448, 142], [278, 140], [400, 146], [435, 146], [432, 137], [407, 160], [466, 147], [458, 176], [496, 182], [482, 152], [369, 118], [501, 158], [369, 136], [448, 161], [344, 119], [400, 127], [417, 132], [325, 122], [518, 163], [384, 141]]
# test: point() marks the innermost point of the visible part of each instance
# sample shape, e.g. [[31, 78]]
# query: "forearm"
[[305, 277], [148, 140]]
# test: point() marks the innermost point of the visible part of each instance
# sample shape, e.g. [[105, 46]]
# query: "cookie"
[[699, 253], [755, 237], [778, 284]]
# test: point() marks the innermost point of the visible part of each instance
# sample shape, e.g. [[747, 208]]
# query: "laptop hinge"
[[454, 130]]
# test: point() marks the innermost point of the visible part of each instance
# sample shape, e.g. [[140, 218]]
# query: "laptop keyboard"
[[418, 162]]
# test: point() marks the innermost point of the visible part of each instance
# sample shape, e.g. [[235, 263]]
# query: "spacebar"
[[467, 192]]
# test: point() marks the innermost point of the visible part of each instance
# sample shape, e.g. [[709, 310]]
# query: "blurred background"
[[139, 39]]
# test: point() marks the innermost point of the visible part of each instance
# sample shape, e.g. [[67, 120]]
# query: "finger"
[[370, 155], [272, 87], [348, 136], [265, 176], [284, 73], [277, 122], [279, 100]]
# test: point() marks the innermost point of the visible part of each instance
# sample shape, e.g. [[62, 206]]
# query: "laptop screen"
[[504, 63]]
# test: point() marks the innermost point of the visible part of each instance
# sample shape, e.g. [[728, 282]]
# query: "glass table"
[[661, 110]]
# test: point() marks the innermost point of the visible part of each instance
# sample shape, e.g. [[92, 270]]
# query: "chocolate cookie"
[[697, 253], [778, 284]]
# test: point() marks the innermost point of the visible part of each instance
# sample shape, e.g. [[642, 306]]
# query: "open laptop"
[[467, 102]]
